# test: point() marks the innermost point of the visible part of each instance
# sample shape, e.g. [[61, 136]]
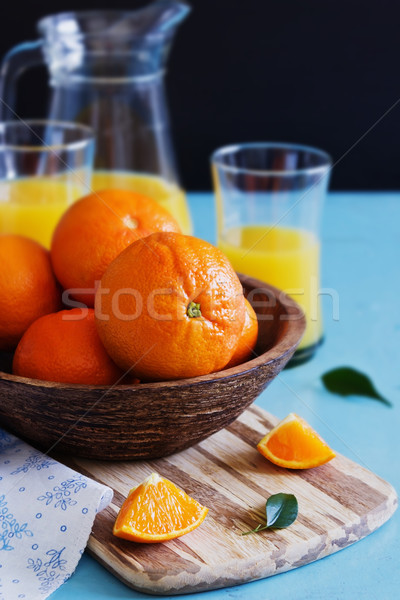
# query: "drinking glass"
[[44, 167], [269, 198]]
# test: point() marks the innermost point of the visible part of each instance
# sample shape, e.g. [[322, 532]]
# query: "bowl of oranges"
[[128, 339]]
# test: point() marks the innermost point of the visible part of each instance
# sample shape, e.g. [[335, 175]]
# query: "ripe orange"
[[95, 229], [65, 347], [170, 306], [294, 444], [28, 288], [247, 340], [156, 511]]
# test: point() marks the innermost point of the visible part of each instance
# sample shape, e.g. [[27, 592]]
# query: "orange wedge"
[[295, 445], [156, 511]]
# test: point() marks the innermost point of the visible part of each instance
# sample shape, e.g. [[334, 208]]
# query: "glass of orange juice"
[[44, 167], [269, 198]]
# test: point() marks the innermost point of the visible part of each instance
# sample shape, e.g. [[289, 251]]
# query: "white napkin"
[[46, 516]]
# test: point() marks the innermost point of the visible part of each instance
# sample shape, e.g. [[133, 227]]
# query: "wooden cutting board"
[[339, 503]]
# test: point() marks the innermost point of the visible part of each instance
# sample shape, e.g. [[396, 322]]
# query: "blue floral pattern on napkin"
[[46, 516], [9, 527], [50, 570], [36, 460], [62, 494]]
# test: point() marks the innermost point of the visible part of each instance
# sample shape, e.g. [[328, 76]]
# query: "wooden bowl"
[[152, 420]]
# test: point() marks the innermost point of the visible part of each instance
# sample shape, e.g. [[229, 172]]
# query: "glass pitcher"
[[106, 70]]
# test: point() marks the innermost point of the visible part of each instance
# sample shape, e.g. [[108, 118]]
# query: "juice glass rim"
[[217, 155], [87, 135]]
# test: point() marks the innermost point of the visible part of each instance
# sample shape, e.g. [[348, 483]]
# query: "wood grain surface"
[[339, 503]]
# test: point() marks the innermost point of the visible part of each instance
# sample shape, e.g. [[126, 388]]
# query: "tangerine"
[[95, 229], [245, 348], [170, 306], [65, 347], [157, 510], [294, 444], [28, 287]]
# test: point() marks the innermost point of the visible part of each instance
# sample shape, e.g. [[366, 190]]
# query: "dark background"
[[319, 72]]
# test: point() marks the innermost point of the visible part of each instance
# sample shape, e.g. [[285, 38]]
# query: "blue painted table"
[[361, 263]]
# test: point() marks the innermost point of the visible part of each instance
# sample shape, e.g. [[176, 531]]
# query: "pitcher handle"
[[19, 58]]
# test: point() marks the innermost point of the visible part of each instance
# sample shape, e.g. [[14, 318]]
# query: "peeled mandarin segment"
[[295, 445], [156, 511]]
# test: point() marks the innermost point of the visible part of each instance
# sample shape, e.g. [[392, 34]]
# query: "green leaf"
[[347, 381], [281, 510]]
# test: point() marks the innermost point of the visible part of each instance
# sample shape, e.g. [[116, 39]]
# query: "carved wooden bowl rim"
[[290, 338]]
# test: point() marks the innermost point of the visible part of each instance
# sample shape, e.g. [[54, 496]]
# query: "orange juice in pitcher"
[[106, 70]]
